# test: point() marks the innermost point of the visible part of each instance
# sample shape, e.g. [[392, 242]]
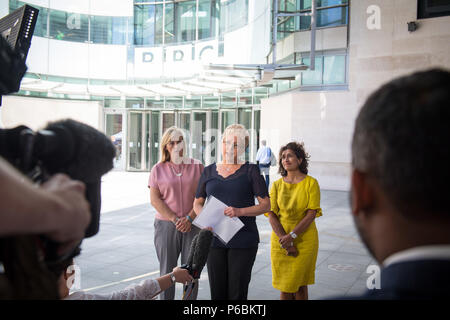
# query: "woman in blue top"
[[235, 183]]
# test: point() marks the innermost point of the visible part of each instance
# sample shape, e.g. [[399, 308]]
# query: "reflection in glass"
[[334, 70], [154, 141], [228, 118], [169, 24], [198, 136], [233, 15], [213, 138], [69, 26], [110, 30], [313, 77], [168, 121], [113, 130], [245, 118], [185, 18], [135, 141]]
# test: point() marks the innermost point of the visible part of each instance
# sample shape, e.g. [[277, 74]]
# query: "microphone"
[[191, 254], [201, 252], [198, 253]]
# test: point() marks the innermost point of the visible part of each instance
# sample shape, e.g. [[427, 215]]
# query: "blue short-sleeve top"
[[237, 190]]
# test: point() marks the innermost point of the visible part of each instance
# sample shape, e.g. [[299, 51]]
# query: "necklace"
[[178, 174]]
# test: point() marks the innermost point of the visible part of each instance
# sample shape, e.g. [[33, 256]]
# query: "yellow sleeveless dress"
[[290, 203]]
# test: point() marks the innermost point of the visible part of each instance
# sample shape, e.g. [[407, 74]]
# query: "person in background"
[[172, 184], [264, 159], [295, 203], [399, 185], [236, 183]]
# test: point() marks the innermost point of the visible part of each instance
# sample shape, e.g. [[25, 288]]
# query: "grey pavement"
[[123, 254]]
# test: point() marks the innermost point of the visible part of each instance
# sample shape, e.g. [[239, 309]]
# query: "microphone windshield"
[[192, 251], [91, 151], [202, 250]]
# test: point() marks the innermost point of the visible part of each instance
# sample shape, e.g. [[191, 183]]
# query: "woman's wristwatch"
[[172, 277], [293, 234]]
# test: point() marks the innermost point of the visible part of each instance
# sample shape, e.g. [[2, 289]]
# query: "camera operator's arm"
[[57, 209]]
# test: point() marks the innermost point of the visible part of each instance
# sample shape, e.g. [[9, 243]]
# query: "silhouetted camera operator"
[[51, 200]]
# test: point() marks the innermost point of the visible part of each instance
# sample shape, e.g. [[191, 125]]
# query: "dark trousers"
[[267, 181], [229, 272]]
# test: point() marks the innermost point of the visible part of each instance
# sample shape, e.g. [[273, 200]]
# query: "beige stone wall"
[[325, 120], [35, 113]]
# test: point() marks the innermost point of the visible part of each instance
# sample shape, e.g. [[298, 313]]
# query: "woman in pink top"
[[173, 183]]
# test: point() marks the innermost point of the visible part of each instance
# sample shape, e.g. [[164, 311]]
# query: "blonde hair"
[[239, 131], [169, 134]]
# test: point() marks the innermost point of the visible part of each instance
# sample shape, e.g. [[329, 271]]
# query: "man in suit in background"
[[400, 185]]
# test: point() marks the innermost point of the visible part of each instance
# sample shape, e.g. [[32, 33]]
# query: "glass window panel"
[[312, 77], [305, 4], [213, 138], [228, 118], [184, 120], [245, 98], [257, 126], [169, 25], [206, 18], [114, 103], [228, 100], [135, 141], [134, 103], [114, 131], [185, 20], [233, 14], [334, 70], [194, 102], [245, 118], [327, 3], [68, 26], [154, 103], [211, 102], [154, 138], [168, 120], [158, 20], [198, 136], [144, 25], [110, 30], [174, 102], [332, 17]]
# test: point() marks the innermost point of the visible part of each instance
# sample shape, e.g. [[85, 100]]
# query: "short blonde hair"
[[169, 134], [239, 131]]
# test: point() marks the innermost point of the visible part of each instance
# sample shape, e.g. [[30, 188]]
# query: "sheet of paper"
[[212, 216]]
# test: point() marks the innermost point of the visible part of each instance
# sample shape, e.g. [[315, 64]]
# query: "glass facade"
[[174, 22], [76, 27], [330, 13], [163, 23]]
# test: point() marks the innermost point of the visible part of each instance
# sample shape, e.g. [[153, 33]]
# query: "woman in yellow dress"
[[295, 203]]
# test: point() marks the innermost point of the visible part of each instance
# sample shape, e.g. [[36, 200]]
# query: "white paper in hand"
[[212, 216]]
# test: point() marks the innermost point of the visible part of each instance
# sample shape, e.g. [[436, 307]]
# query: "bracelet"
[[189, 218]]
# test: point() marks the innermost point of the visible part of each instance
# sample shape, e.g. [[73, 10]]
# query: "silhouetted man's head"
[[401, 157]]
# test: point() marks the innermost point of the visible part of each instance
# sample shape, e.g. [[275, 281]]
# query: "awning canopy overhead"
[[213, 79]]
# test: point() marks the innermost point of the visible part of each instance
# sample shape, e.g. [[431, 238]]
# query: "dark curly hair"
[[299, 150]]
